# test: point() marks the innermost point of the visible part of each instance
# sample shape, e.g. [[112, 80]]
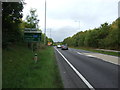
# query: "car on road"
[[58, 46], [64, 47]]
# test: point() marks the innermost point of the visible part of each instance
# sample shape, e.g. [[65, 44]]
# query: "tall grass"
[[20, 70]]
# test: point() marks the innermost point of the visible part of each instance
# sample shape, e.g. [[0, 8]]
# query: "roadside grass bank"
[[20, 70], [98, 51]]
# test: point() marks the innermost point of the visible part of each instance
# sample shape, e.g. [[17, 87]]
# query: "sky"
[[65, 18]]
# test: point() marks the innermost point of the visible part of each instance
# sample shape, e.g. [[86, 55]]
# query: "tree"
[[106, 36], [112, 41], [11, 18], [91, 38], [31, 20], [81, 38], [103, 30]]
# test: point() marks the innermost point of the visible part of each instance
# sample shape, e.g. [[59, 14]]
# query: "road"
[[83, 71]]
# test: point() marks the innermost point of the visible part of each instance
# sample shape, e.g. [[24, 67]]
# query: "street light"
[[45, 25]]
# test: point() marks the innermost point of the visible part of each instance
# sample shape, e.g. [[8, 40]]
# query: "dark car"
[[64, 47]]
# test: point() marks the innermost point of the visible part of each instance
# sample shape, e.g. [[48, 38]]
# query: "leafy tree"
[[112, 41], [103, 33], [11, 18], [106, 36], [81, 38], [69, 41], [31, 20]]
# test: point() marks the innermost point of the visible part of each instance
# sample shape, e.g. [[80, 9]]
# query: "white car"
[[58, 46]]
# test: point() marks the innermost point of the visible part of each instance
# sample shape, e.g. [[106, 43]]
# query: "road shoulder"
[[105, 57]]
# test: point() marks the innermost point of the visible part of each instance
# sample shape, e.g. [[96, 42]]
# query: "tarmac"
[[108, 58]]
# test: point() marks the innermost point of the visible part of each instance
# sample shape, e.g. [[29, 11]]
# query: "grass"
[[20, 71], [98, 51]]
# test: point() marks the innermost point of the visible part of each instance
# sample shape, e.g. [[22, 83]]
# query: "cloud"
[[62, 33], [61, 15], [90, 13]]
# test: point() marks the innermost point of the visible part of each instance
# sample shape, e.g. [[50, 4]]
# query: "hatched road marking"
[[107, 58], [80, 53]]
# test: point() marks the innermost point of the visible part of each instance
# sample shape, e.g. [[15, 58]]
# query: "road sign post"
[[35, 58], [33, 37]]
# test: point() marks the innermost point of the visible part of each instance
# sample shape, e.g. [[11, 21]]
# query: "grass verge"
[[20, 71], [98, 51]]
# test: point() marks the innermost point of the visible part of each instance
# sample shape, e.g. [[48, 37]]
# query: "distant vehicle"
[[64, 47], [58, 46]]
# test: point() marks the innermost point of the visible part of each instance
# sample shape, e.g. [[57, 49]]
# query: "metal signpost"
[[32, 36]]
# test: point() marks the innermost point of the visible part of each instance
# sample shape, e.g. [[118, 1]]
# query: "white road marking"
[[101, 58], [70, 49], [86, 55], [76, 71], [112, 62], [90, 55], [80, 53]]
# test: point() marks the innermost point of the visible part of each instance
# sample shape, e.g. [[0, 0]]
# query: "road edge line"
[[79, 53], [76, 71]]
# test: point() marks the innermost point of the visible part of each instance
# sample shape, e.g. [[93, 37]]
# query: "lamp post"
[[45, 25]]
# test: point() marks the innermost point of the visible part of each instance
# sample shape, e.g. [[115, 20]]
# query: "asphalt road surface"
[[81, 71]]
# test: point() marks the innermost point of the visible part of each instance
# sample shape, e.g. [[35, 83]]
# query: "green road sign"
[[32, 36]]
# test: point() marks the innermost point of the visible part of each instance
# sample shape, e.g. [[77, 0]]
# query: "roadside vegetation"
[[18, 67], [13, 25], [20, 70], [106, 37]]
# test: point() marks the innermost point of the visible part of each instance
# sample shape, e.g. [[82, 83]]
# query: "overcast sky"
[[63, 15]]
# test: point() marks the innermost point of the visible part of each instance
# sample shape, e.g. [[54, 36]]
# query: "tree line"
[[106, 36], [13, 25], [11, 19]]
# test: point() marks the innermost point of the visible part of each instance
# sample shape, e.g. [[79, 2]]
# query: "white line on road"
[[86, 55], [76, 71], [80, 53], [106, 60], [90, 55]]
